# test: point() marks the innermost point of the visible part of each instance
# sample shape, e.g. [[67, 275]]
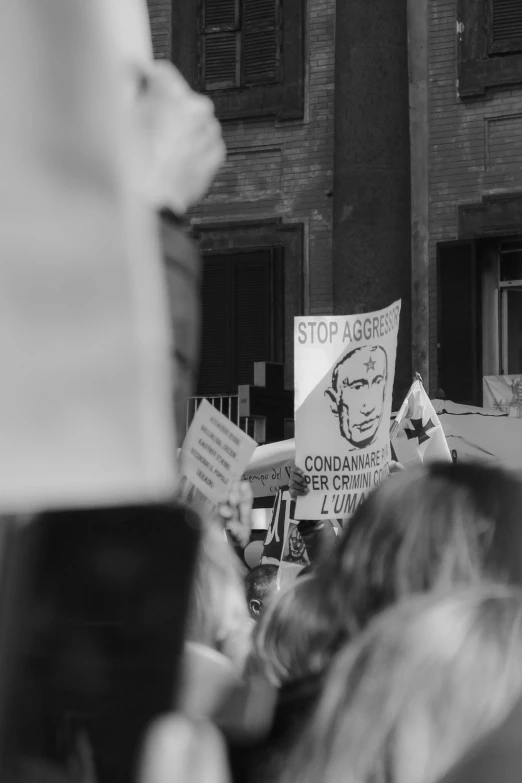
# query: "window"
[[458, 322], [490, 45], [239, 43], [510, 307], [242, 317], [248, 55], [479, 314], [505, 26]]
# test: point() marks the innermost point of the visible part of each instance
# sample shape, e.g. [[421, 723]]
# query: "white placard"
[[344, 373], [214, 454]]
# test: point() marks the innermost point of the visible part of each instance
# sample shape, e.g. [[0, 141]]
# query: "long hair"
[[291, 639], [425, 528], [408, 698]]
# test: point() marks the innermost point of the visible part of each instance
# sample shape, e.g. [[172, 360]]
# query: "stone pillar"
[[419, 135], [372, 234]]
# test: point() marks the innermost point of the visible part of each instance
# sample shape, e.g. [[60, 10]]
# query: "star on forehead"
[[370, 364]]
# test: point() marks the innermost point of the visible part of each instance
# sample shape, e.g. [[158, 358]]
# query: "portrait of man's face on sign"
[[296, 547], [357, 394]]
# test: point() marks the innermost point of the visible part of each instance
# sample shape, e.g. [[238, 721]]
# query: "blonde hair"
[[218, 615], [289, 640], [411, 695]]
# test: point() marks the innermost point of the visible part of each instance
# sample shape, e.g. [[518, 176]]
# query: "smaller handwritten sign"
[[214, 455]]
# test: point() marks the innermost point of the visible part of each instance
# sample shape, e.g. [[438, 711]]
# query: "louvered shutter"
[[459, 323], [261, 48], [220, 43], [217, 306], [253, 314], [506, 25]]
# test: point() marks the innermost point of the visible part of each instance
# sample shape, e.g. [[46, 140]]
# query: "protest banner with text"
[[213, 457], [344, 373]]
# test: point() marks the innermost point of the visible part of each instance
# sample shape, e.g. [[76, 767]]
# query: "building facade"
[[475, 193], [265, 227], [409, 187]]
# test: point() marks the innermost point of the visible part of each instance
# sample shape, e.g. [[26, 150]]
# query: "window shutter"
[[261, 49], [506, 25], [240, 313], [215, 364], [459, 333], [253, 313], [220, 44]]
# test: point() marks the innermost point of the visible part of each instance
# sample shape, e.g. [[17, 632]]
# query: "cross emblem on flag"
[[419, 430]]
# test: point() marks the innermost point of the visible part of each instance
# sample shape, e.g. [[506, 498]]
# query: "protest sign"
[[282, 512], [294, 556], [213, 456], [268, 482], [344, 372]]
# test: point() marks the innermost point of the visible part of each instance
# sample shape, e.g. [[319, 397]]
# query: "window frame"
[[214, 238], [479, 68], [475, 397], [513, 46], [283, 100], [275, 292]]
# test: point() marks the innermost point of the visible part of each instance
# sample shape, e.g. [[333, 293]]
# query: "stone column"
[[372, 228]]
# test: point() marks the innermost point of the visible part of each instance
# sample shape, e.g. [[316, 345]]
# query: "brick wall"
[[283, 169], [475, 145], [160, 24]]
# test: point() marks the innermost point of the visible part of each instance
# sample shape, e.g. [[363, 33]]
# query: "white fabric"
[[504, 394], [419, 433]]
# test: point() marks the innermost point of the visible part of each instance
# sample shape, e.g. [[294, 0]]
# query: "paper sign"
[[294, 557], [214, 454], [344, 372], [269, 468], [86, 394], [282, 512]]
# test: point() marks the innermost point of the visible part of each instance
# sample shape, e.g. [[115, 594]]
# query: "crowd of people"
[[399, 650], [394, 656]]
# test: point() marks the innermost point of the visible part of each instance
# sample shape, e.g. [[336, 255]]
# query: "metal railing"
[[227, 404]]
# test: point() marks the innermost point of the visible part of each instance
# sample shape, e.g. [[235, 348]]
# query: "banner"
[[213, 456], [269, 468], [503, 393], [481, 434], [344, 372]]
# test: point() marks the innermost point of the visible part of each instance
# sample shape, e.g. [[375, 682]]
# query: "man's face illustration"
[[357, 395], [296, 546]]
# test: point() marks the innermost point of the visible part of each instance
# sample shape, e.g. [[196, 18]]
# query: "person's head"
[[357, 393], [291, 641], [432, 526], [413, 693], [218, 616], [260, 583]]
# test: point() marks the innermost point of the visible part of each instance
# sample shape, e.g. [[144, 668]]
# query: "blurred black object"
[[105, 616]]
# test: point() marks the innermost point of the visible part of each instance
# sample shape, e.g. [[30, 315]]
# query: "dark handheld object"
[[105, 616]]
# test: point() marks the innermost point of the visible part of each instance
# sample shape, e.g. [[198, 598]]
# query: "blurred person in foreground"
[[413, 693], [433, 526], [98, 138], [291, 651]]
